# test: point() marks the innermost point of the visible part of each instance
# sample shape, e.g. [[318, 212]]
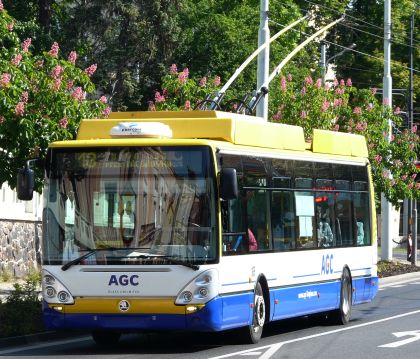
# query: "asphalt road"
[[389, 327]]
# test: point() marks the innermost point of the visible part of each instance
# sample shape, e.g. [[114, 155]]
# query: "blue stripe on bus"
[[306, 275], [237, 283], [223, 312]]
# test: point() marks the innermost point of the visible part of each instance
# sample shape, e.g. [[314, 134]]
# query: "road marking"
[[397, 286], [44, 345], [274, 347], [415, 335]]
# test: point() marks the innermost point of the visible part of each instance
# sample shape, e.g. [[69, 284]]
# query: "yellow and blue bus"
[[204, 221]]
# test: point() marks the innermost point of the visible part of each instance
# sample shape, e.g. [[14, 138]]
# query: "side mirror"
[[228, 184], [25, 183]]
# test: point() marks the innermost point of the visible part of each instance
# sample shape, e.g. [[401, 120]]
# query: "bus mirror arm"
[[228, 184], [25, 183]]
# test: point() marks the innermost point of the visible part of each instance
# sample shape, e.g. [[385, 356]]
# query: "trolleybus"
[[203, 221]]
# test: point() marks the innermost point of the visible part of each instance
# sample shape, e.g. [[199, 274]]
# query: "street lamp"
[[324, 63]]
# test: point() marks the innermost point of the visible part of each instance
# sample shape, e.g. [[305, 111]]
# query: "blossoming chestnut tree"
[[42, 99], [337, 106]]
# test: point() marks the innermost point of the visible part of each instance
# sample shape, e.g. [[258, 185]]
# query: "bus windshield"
[[130, 205]]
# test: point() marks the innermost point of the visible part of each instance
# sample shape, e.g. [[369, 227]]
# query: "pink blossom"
[[1, 6], [339, 91], [385, 174], [371, 145], [349, 83], [78, 94], [277, 116], [413, 176], [303, 114], [289, 77], [318, 83], [72, 57], [418, 185], [54, 50], [173, 69], [57, 84], [342, 82], [337, 102], [392, 138], [2, 119], [69, 85], [187, 105], [373, 90], [327, 87], [25, 44], [91, 70], [370, 107], [308, 80], [103, 99], [398, 163], [151, 106], [216, 81], [106, 112], [414, 129], [57, 71], [392, 183], [17, 59], [63, 122], [303, 91], [410, 185], [349, 129], [378, 158], [159, 97], [357, 110], [183, 76], [335, 82], [283, 84], [336, 127], [325, 105], [20, 109], [404, 177], [397, 111], [11, 26], [202, 82], [25, 97], [5, 79], [361, 126]]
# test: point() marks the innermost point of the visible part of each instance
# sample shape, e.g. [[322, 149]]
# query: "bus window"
[[283, 220], [305, 213], [257, 219], [361, 212], [324, 204], [343, 214]]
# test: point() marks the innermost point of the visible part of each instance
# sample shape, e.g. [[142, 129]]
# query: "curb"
[[406, 277]]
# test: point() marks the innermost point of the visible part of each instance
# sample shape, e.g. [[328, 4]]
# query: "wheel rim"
[[346, 297], [259, 313]]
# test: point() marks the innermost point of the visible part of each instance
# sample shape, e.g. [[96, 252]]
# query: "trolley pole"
[[263, 58], [386, 227], [323, 62]]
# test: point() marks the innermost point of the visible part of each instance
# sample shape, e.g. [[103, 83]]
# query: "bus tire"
[[254, 331], [102, 337], [342, 314]]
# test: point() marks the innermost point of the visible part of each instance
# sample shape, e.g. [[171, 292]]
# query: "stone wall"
[[20, 246]]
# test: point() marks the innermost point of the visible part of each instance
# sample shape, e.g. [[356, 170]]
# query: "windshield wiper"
[[78, 259], [169, 259]]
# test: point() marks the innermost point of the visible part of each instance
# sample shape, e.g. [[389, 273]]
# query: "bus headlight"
[[53, 291], [200, 290]]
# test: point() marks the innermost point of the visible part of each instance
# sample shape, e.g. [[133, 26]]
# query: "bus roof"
[[230, 127]]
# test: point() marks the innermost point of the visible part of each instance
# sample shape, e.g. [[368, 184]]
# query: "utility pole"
[[386, 227], [411, 125], [323, 62], [263, 58]]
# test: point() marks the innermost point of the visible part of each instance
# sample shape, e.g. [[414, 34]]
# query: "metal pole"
[[410, 119], [323, 63], [386, 212], [263, 58]]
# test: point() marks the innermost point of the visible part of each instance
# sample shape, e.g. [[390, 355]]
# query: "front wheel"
[[342, 314], [254, 331]]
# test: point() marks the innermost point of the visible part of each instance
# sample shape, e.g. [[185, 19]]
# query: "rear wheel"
[[105, 337], [342, 314], [254, 331]]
